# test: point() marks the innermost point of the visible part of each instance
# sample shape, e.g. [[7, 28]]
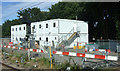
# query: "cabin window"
[[20, 39], [40, 26], [46, 39], [34, 27], [54, 25], [12, 29], [24, 28], [19, 28], [16, 29], [46, 25], [16, 39], [40, 38], [55, 38]]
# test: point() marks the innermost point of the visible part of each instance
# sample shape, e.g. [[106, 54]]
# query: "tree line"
[[103, 18]]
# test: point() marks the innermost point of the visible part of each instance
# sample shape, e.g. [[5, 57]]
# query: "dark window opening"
[[34, 27], [24, 28], [46, 39], [12, 29], [46, 25], [16, 29], [40, 38], [20, 39], [54, 25], [19, 28], [16, 39], [55, 38], [40, 26]]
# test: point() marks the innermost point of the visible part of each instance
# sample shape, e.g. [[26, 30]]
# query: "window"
[[16, 29], [46, 25], [33, 26], [54, 24], [20, 39], [40, 26], [12, 29], [19, 28], [47, 39], [24, 28], [16, 38], [40, 38], [55, 38]]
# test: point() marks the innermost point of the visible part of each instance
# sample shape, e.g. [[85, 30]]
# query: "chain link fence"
[[113, 45]]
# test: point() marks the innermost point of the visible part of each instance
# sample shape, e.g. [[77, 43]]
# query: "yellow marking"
[[79, 47], [50, 56], [72, 35]]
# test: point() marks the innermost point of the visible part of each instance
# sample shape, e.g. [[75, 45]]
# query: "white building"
[[18, 32], [56, 30]]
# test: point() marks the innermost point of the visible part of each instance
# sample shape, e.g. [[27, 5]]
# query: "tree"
[[31, 15], [6, 29], [66, 10]]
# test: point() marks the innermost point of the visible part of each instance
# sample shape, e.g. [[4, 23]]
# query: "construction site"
[[63, 36], [70, 51]]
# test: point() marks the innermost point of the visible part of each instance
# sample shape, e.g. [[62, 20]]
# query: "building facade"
[[18, 32], [56, 30]]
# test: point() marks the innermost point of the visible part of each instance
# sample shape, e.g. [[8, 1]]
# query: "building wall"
[[42, 33], [17, 33], [62, 28], [65, 26]]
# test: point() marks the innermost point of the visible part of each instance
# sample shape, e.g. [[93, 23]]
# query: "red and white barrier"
[[114, 58], [100, 50]]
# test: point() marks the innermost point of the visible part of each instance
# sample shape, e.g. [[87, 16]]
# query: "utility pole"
[[28, 33]]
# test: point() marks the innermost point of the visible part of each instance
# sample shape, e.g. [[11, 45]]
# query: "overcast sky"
[[9, 9]]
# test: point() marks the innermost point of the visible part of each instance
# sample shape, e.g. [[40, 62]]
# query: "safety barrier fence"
[[100, 50], [84, 55]]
